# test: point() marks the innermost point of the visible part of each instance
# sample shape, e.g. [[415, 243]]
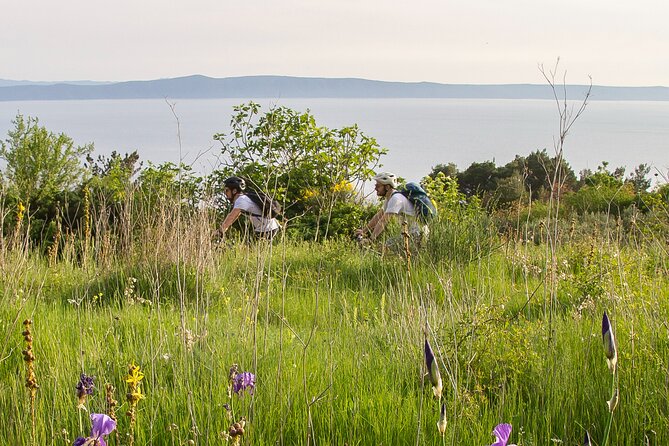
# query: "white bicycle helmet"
[[386, 178]]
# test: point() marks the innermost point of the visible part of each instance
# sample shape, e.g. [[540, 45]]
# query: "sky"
[[617, 43]]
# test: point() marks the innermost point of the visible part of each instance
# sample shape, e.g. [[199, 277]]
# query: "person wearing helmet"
[[395, 206], [263, 225]]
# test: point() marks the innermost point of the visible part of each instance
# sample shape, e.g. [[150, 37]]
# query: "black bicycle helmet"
[[235, 183]]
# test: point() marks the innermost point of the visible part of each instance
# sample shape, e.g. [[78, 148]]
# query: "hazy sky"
[[475, 41]]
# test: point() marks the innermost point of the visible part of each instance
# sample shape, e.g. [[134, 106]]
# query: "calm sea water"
[[418, 133]]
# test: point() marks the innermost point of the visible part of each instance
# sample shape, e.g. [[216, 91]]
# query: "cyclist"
[[264, 226], [395, 206]]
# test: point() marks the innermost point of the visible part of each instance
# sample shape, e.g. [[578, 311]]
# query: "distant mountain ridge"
[[14, 83], [251, 87]]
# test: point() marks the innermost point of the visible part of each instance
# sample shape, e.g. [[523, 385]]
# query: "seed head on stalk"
[[31, 379]]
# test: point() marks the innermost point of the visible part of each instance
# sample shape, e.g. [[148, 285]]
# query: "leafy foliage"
[[286, 154], [40, 164], [499, 186], [603, 191]]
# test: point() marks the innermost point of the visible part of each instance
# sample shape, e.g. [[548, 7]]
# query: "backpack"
[[270, 208], [425, 210]]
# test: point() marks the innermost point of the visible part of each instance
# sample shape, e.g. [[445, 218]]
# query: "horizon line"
[[108, 82]]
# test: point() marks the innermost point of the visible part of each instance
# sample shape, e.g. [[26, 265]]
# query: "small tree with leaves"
[[305, 166], [40, 163], [42, 171]]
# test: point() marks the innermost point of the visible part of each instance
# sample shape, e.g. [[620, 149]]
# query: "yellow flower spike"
[[135, 375]]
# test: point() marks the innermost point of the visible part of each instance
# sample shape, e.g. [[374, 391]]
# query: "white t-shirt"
[[400, 205], [253, 211]]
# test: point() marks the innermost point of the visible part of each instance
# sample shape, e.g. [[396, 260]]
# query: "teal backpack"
[[425, 209]]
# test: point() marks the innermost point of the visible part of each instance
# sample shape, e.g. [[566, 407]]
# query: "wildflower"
[[586, 440], [502, 432], [102, 426], [244, 381], [432, 370], [135, 375], [441, 424], [85, 387], [609, 344], [133, 396]]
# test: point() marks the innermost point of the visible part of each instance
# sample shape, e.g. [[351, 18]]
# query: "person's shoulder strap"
[[247, 212]]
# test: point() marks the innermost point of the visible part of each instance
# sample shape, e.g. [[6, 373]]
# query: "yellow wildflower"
[[135, 375]]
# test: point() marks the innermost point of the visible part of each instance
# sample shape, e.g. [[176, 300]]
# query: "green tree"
[[286, 154], [449, 170], [112, 175], [168, 183], [40, 163], [479, 178], [603, 191], [638, 178]]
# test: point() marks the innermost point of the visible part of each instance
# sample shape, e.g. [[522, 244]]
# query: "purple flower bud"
[[441, 425], [609, 341], [433, 370], [85, 386], [586, 441]]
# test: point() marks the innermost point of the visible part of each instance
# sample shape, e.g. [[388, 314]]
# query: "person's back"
[[264, 226], [398, 204]]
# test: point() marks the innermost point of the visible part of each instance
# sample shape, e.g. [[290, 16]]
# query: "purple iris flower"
[[102, 426], [244, 381], [502, 432]]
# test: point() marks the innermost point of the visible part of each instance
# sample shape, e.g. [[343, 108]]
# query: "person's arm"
[[369, 227], [229, 220], [381, 225]]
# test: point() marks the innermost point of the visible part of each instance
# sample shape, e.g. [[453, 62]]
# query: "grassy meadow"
[[334, 335]]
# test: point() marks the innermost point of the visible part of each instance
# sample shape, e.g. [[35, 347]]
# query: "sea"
[[417, 133]]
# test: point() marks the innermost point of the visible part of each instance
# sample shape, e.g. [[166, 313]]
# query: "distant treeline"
[[53, 189]]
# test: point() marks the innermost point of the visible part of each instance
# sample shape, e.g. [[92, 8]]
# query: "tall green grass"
[[334, 335]]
